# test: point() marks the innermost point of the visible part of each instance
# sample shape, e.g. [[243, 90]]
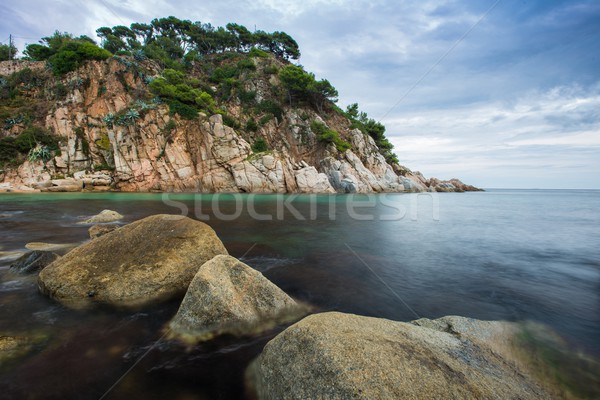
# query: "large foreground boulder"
[[150, 260], [343, 356], [228, 297]]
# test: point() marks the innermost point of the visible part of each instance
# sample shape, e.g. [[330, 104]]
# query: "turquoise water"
[[501, 254]]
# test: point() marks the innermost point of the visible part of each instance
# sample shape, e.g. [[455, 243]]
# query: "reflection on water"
[[511, 255]]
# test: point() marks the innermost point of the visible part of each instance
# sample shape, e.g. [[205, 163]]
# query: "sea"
[[502, 254]]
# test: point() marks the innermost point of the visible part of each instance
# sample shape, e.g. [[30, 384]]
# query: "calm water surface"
[[503, 254]]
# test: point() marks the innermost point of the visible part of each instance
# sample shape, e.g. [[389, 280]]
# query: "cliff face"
[[153, 150]]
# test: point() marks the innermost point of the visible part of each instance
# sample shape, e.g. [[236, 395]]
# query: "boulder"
[[99, 230], [228, 297], [33, 261], [344, 356], [147, 261], [103, 217]]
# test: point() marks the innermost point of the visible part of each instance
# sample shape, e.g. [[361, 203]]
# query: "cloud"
[[541, 134], [519, 93]]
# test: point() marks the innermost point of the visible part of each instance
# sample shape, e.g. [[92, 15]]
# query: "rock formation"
[[99, 230], [158, 151], [103, 217], [147, 261], [343, 356], [228, 297], [33, 261]]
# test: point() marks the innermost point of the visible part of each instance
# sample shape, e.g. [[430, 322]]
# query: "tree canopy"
[[174, 38], [303, 86], [65, 53], [372, 128], [7, 52]]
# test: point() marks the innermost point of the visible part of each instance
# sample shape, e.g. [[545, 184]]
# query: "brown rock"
[[344, 356], [147, 261], [104, 216], [99, 230], [228, 297]]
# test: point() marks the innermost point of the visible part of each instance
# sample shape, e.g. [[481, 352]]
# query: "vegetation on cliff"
[[191, 67]]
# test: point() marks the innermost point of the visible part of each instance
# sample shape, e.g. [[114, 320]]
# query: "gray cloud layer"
[[515, 104]]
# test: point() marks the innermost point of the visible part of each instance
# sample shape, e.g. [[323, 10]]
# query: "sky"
[[498, 93]]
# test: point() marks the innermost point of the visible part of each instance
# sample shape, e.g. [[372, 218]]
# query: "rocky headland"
[[102, 127]]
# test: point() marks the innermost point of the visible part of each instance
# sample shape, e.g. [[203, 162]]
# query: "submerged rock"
[[33, 261], [40, 246], [344, 356], [103, 217], [228, 297], [147, 261], [14, 347]]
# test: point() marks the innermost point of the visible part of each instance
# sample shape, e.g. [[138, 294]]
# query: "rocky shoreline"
[[160, 151], [323, 355]]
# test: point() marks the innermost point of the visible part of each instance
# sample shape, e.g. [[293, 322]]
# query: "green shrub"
[[271, 107], [230, 121], [206, 101], [259, 145], [8, 149], [175, 86], [60, 91], [85, 145], [255, 52], [265, 119], [73, 53], [251, 125], [368, 126], [247, 97], [27, 77], [33, 136], [271, 70], [220, 74], [39, 153], [170, 125], [246, 63], [173, 77], [35, 142], [324, 134], [181, 109]]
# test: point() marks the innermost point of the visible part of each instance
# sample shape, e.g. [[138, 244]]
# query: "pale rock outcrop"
[[147, 261], [161, 152], [227, 296], [344, 356], [309, 180], [103, 217]]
